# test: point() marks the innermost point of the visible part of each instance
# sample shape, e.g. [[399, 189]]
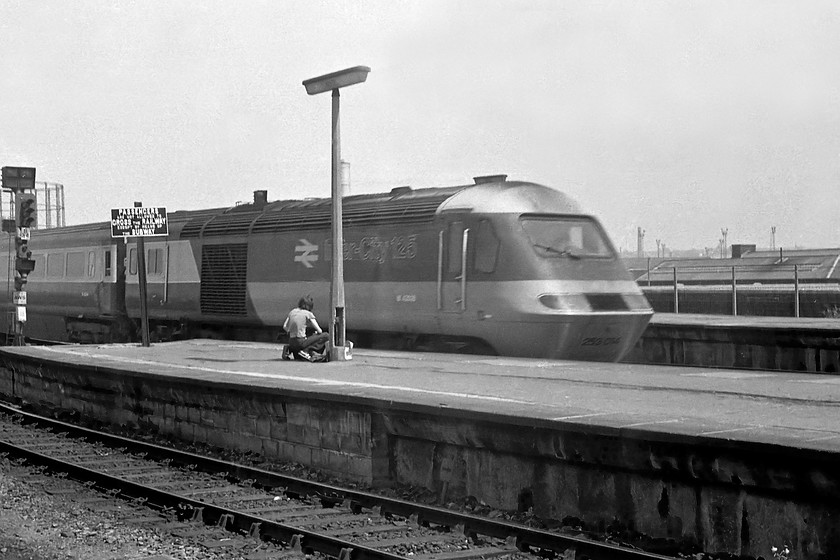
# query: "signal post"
[[20, 181]]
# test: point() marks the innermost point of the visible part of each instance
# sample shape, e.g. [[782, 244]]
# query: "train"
[[496, 266]]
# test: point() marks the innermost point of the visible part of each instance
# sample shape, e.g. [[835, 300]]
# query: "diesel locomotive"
[[498, 267]]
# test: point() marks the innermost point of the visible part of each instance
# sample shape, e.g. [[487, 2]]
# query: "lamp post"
[[333, 82]]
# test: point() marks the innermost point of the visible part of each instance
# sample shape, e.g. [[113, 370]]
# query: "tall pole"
[[725, 247], [141, 280], [676, 292], [734, 293], [337, 318]]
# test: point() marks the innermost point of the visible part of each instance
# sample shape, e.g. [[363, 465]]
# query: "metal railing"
[[742, 290]]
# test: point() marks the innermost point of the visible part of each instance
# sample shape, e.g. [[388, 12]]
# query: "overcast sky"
[[682, 117]]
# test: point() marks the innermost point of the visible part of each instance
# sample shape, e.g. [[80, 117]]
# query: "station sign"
[[19, 297], [139, 221]]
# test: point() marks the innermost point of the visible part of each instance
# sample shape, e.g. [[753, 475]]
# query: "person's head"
[[306, 303]]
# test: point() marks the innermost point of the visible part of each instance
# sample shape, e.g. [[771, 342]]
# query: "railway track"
[[280, 514]]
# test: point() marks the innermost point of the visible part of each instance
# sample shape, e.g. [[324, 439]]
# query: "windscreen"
[[572, 237]]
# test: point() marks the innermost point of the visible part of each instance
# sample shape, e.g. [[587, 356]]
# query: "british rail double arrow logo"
[[306, 253]]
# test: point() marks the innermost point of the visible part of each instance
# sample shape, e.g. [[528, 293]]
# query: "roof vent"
[[490, 179], [399, 191], [260, 198]]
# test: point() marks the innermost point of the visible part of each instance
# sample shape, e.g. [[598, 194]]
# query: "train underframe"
[[104, 330]]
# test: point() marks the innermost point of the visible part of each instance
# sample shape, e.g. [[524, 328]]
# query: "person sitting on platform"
[[300, 346]]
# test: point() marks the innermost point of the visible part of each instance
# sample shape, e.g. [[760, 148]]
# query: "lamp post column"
[[321, 84], [337, 317]]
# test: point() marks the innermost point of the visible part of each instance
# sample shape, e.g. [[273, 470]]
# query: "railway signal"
[[26, 209], [23, 253], [22, 269], [20, 181]]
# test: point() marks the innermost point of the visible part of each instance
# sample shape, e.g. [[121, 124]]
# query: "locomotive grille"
[[606, 302], [360, 211], [223, 276], [299, 219]]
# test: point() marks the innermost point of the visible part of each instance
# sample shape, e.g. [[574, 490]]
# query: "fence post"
[[734, 294], [676, 293], [648, 271], [796, 290]]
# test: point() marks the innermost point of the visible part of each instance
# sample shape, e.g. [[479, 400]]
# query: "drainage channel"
[[294, 515]]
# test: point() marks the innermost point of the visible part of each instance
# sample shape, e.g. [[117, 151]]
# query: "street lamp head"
[[336, 80]]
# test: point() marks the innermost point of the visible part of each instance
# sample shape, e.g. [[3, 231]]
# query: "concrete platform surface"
[[746, 321], [790, 409]]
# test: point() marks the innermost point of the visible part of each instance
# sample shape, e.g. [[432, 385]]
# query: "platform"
[[698, 402], [690, 453], [772, 343]]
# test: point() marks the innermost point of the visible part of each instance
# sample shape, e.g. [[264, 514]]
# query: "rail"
[[171, 478]]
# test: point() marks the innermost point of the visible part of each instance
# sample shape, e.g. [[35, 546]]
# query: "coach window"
[[107, 263], [486, 248], [154, 264], [132, 261], [91, 264], [55, 265], [75, 264]]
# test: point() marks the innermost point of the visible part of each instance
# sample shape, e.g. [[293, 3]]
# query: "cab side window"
[[486, 248]]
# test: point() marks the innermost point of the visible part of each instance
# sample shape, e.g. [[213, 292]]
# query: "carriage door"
[[157, 261], [452, 268]]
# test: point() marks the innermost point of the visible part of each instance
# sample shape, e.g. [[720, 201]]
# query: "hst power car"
[[498, 267]]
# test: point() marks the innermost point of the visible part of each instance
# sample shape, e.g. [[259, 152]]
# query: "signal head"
[[26, 207]]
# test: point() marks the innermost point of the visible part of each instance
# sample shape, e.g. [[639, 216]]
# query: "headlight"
[[565, 302]]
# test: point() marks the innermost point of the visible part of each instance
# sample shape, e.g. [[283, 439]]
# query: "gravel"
[[35, 525]]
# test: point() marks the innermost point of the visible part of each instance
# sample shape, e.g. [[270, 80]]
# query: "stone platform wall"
[[783, 348], [725, 497]]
